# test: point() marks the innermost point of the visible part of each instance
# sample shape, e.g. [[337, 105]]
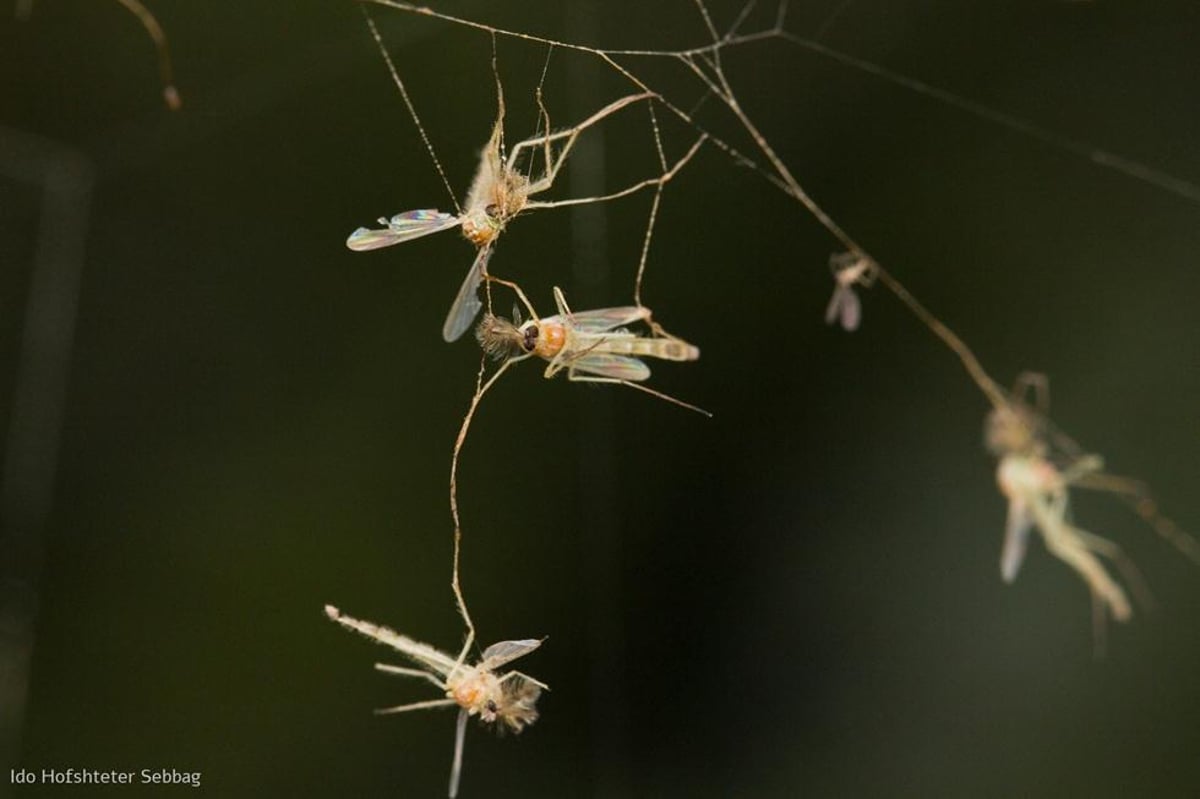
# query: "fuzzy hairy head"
[[499, 338]]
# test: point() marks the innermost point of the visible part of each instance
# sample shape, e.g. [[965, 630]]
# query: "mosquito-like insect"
[[1038, 466], [509, 699], [593, 346], [849, 269], [1037, 493]]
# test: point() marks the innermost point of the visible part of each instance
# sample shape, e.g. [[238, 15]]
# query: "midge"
[[593, 346], [849, 269], [1038, 465], [1037, 493], [508, 700]]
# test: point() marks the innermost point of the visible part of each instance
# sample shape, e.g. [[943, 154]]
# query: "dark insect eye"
[[491, 706], [531, 334], [492, 210]]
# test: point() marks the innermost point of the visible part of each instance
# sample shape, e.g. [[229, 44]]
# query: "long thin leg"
[[384, 711], [571, 134], [516, 290], [514, 674], [1129, 570], [541, 186], [405, 672], [1137, 496], [1064, 542], [460, 734], [575, 377]]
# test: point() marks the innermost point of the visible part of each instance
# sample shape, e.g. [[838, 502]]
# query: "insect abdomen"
[[664, 348]]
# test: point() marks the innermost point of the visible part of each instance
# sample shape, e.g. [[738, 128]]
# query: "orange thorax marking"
[[550, 341]]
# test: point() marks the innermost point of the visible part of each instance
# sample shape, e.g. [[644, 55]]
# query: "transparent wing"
[[851, 309], [835, 306], [1016, 539], [467, 304], [845, 307], [616, 367], [460, 734], [401, 227], [503, 652], [603, 319]]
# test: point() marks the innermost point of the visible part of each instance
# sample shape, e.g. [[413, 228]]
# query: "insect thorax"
[[483, 222], [480, 227], [1011, 430], [479, 692], [551, 338]]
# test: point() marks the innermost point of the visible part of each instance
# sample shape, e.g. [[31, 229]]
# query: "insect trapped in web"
[[593, 346], [506, 701]]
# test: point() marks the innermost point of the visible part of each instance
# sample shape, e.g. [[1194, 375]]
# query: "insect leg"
[[383, 711], [514, 674], [570, 134], [404, 672], [575, 377]]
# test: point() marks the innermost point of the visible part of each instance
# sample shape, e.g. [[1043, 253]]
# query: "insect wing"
[[845, 307], [467, 304], [1016, 539], [851, 309], [503, 652], [460, 734], [615, 367], [604, 319], [401, 227]]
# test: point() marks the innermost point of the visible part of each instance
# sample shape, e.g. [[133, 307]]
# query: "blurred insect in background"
[[507, 700], [1038, 466], [849, 269], [157, 35], [593, 346]]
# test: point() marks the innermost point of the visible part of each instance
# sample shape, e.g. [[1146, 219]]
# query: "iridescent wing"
[[503, 652], [844, 306], [460, 734], [467, 304], [614, 367], [401, 227], [1016, 539]]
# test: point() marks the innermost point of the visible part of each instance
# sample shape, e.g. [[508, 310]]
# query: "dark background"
[[798, 596]]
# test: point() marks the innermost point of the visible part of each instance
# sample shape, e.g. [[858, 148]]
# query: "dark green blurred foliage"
[[798, 597]]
